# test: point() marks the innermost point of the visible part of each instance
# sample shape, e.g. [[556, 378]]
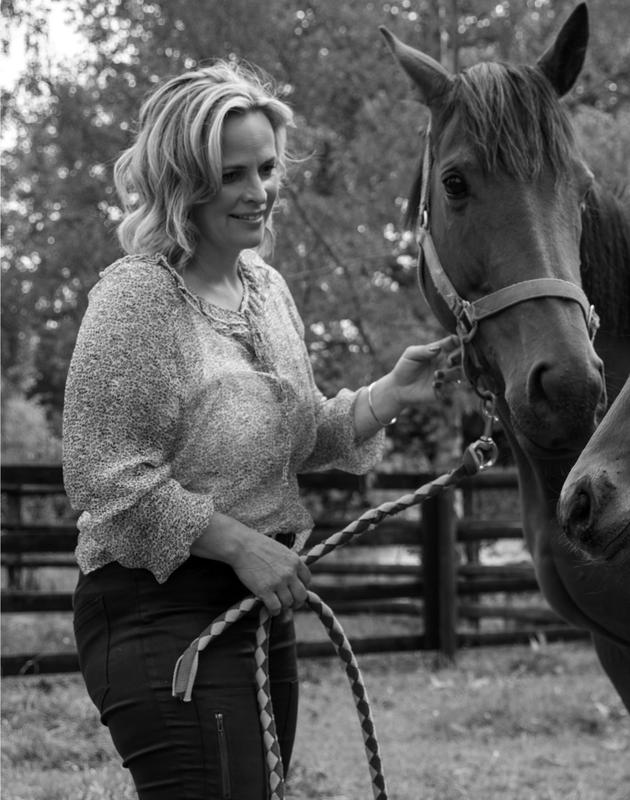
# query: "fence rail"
[[443, 590]]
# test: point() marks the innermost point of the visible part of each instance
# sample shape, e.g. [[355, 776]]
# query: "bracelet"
[[370, 404]]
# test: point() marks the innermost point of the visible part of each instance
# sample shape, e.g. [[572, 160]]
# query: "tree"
[[340, 243], [58, 175]]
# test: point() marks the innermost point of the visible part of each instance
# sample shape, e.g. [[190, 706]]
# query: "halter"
[[467, 314]]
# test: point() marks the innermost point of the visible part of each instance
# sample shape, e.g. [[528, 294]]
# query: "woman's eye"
[[230, 176], [455, 186], [267, 170]]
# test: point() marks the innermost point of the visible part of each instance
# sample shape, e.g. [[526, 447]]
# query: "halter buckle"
[[466, 321], [592, 322]]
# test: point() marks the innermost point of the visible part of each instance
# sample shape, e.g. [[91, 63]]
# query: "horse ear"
[[428, 75], [562, 62]]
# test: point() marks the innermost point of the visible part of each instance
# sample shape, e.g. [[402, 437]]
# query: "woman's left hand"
[[409, 383], [412, 376]]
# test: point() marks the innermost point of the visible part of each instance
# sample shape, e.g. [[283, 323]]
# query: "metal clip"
[[483, 453], [488, 412]]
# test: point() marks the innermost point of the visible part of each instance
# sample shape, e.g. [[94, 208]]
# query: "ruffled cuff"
[[337, 446], [155, 534]]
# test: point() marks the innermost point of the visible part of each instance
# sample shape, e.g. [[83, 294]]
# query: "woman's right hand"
[[270, 571]]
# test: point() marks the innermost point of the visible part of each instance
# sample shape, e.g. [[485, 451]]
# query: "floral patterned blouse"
[[176, 408]]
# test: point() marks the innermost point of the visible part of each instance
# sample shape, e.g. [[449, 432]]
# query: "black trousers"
[[130, 631]]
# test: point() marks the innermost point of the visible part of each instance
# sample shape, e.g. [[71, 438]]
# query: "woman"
[[190, 408]]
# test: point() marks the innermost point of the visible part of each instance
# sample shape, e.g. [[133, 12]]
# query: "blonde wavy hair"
[[175, 161]]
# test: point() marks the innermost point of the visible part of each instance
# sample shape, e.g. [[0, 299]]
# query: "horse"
[[594, 506], [513, 233]]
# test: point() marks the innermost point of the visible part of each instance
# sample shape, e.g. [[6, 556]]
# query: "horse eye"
[[455, 186]]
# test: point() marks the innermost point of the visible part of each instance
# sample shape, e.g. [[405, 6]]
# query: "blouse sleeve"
[[336, 445], [120, 426]]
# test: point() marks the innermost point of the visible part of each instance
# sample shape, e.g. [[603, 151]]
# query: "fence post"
[[13, 511], [439, 524]]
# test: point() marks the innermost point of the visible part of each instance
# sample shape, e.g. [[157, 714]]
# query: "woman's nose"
[[255, 189]]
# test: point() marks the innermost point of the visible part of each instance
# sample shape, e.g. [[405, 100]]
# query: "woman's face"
[[235, 218]]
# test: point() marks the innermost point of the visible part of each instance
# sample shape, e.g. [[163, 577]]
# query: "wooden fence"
[[447, 592]]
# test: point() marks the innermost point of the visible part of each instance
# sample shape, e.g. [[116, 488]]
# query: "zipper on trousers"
[[223, 757]]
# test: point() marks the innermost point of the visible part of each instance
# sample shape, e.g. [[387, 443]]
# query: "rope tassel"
[[185, 672]]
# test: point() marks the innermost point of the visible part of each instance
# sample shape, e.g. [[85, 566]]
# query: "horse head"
[[503, 185], [594, 507]]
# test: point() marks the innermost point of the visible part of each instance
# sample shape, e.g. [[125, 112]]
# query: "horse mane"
[[605, 257], [515, 123]]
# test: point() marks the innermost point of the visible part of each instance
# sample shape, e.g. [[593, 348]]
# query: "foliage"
[[339, 241], [26, 433], [606, 146]]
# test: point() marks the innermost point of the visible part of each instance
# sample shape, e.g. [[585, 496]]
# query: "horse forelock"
[[512, 118]]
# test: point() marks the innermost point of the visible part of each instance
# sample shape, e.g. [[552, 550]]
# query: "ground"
[[515, 723]]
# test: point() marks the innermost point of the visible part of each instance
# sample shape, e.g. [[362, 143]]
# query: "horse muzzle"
[[588, 513], [554, 407]]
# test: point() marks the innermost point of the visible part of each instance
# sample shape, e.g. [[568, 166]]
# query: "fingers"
[[272, 603], [304, 573], [447, 344], [294, 595], [427, 352], [448, 375], [299, 592], [284, 583], [284, 598]]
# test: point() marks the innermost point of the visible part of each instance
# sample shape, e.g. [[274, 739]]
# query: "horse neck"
[[605, 258]]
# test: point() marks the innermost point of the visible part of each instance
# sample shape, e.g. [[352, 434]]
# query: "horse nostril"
[[579, 517], [577, 510], [569, 402], [541, 385]]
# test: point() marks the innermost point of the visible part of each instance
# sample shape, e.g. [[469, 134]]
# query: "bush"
[[26, 432]]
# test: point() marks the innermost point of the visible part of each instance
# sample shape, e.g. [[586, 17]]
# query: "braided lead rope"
[[370, 519], [187, 664], [478, 456], [359, 693], [273, 756]]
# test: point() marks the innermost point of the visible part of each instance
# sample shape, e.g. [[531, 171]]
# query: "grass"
[[514, 723], [517, 723]]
